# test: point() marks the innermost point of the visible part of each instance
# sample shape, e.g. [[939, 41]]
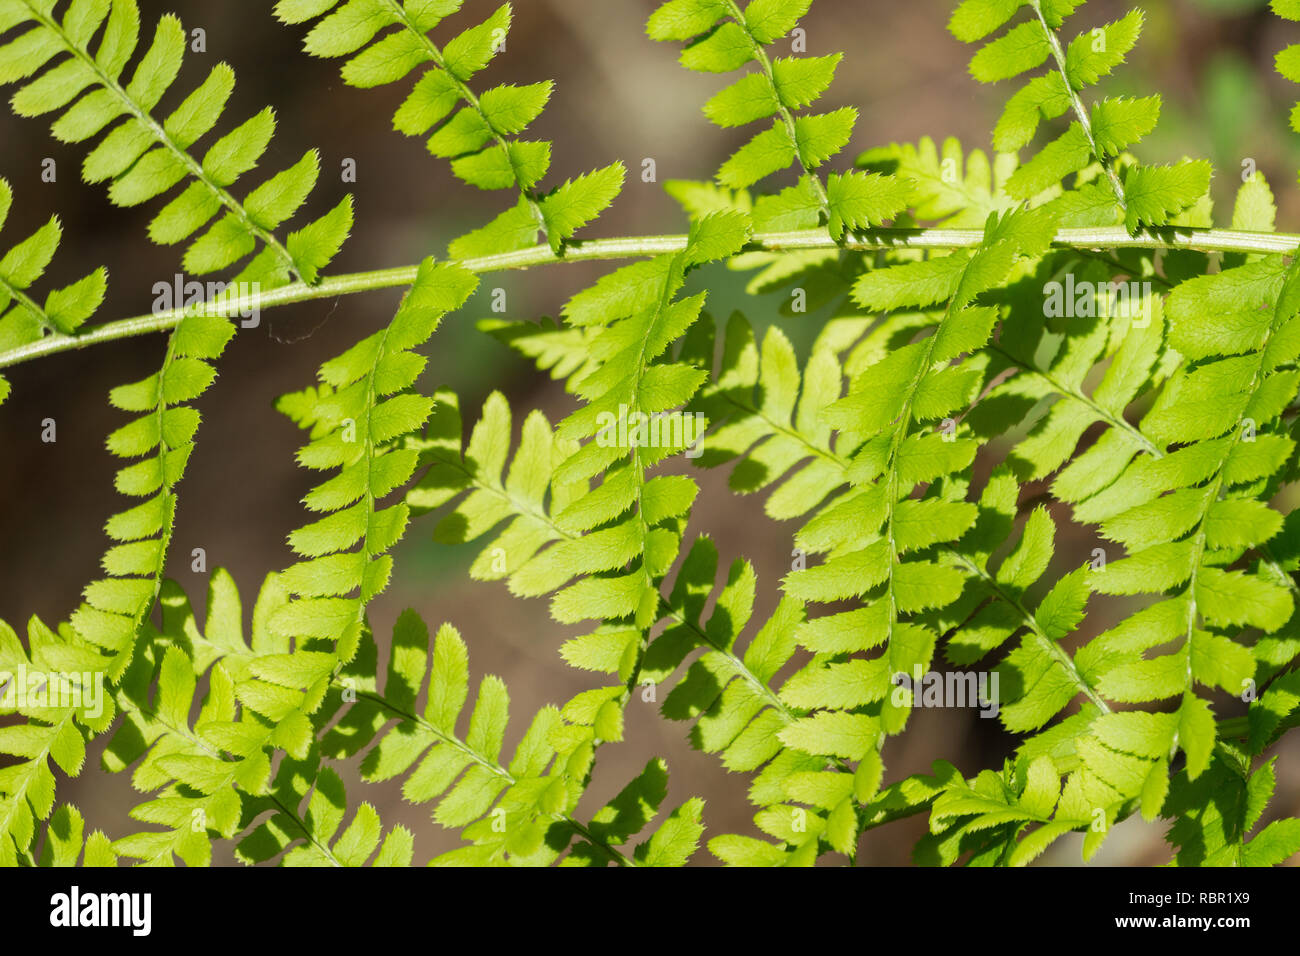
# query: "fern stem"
[[761, 686], [1078, 395], [164, 139], [1080, 112], [637, 247], [1053, 648], [23, 299]]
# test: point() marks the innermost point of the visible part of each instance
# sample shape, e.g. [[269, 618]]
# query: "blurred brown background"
[[618, 96]]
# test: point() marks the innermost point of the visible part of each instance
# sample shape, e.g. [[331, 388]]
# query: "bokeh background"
[[618, 96]]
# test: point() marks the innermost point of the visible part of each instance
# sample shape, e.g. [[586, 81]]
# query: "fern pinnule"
[[1053, 367], [519, 813], [1185, 517], [67, 844], [526, 494], [768, 414]]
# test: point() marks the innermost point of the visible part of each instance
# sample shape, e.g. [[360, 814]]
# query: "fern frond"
[[481, 138], [634, 319], [462, 775], [745, 736], [771, 446], [518, 813], [144, 156], [22, 319], [1142, 195], [952, 409], [1215, 814], [159, 443], [1183, 516], [209, 778], [212, 778], [721, 38], [949, 187], [777, 434], [1013, 817], [879, 540], [736, 712], [202, 770], [1200, 503], [322, 842], [362, 408], [1054, 368], [358, 419], [621, 538], [1288, 59], [780, 435], [52, 685]]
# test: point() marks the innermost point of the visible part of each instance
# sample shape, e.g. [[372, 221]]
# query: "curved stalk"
[[635, 247]]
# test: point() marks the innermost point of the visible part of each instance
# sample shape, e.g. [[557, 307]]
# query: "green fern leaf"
[[144, 156], [22, 319]]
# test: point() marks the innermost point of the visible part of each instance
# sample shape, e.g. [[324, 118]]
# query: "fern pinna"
[[1044, 430]]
